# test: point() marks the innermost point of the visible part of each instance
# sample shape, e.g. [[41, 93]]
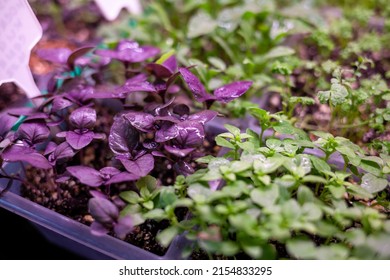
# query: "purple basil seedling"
[[82, 120]]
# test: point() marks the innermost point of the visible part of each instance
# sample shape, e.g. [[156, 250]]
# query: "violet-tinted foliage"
[[129, 51], [82, 120], [59, 152], [106, 215], [6, 123], [223, 94], [105, 176], [27, 137], [155, 124], [63, 56]]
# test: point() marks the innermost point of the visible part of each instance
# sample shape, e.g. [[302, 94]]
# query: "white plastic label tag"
[[111, 8], [19, 32]]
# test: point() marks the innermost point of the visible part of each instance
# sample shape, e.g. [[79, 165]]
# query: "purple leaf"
[[83, 117], [100, 136], [124, 138], [141, 166], [6, 123], [109, 171], [79, 140], [55, 55], [232, 91], [150, 144], [159, 70], [191, 134], [62, 179], [166, 69], [60, 103], [167, 119], [61, 134], [136, 87], [214, 184], [123, 227], [103, 211], [141, 121], [158, 154], [137, 79], [162, 110], [37, 116], [76, 54], [181, 110], [171, 64], [26, 154], [122, 177], [50, 147], [81, 94], [183, 168], [97, 194], [166, 133], [86, 175], [33, 133], [107, 94], [64, 150], [203, 116], [195, 85], [23, 111], [177, 151], [130, 51], [137, 54], [98, 229]]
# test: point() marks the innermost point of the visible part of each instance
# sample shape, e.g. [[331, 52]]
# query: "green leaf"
[[336, 191], [148, 205], [198, 192], [217, 63], [240, 166], [273, 143], [302, 100], [284, 127], [265, 198], [359, 191], [373, 184], [268, 165], [229, 248], [279, 51], [184, 202], [319, 164], [205, 159], [232, 129], [167, 197], [336, 95], [223, 142], [260, 114], [165, 56], [156, 214], [345, 150], [311, 211], [314, 179], [323, 135], [305, 195], [166, 236], [242, 221], [370, 166], [148, 182], [130, 196], [301, 249]]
